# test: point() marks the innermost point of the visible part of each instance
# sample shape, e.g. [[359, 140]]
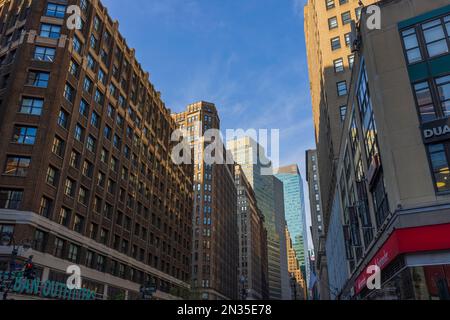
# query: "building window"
[[347, 38], [87, 169], [24, 135], [104, 56], [380, 201], [78, 224], [79, 133], [110, 111], [93, 229], [87, 84], [74, 68], [107, 132], [58, 147], [40, 240], [440, 167], [52, 176], [74, 161], [55, 10], [84, 5], [341, 2], [98, 97], [346, 17], [90, 62], [31, 106], [50, 31], [72, 255], [341, 88], [93, 42], [45, 207], [443, 89], [58, 248], [83, 196], [96, 23], [411, 44], [343, 112], [90, 143], [44, 54], [101, 76], [95, 120], [104, 236], [338, 65], [370, 131], [76, 44], [84, 108], [329, 4], [17, 166], [69, 187], [63, 119], [424, 100], [89, 259], [38, 79], [69, 93], [435, 38], [335, 43], [10, 199], [332, 23], [64, 217]]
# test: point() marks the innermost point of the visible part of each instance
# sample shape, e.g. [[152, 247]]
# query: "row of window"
[[427, 40], [330, 4], [346, 18], [72, 252], [336, 42], [10, 199], [339, 63]]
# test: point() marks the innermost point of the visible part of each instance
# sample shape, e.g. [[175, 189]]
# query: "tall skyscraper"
[[269, 196], [215, 240], [253, 267], [298, 283], [85, 151], [294, 207], [317, 228], [330, 61]]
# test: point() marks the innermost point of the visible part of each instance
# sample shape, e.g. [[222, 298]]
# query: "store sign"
[[46, 289], [436, 131], [403, 241]]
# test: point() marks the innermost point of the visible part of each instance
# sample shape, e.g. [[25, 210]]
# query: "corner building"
[[87, 177], [392, 192], [215, 255]]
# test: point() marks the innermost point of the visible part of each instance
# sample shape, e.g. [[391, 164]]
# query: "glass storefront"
[[416, 283]]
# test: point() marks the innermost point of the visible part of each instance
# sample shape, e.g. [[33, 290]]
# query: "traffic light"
[[29, 269]]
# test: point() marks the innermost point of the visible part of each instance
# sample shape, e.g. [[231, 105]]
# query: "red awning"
[[409, 240]]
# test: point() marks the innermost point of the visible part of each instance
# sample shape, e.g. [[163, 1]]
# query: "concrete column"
[[105, 292], [45, 274]]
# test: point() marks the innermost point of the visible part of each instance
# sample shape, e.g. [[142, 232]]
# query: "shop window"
[[440, 167]]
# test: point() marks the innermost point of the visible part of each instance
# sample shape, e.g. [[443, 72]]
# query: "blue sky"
[[246, 56]]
